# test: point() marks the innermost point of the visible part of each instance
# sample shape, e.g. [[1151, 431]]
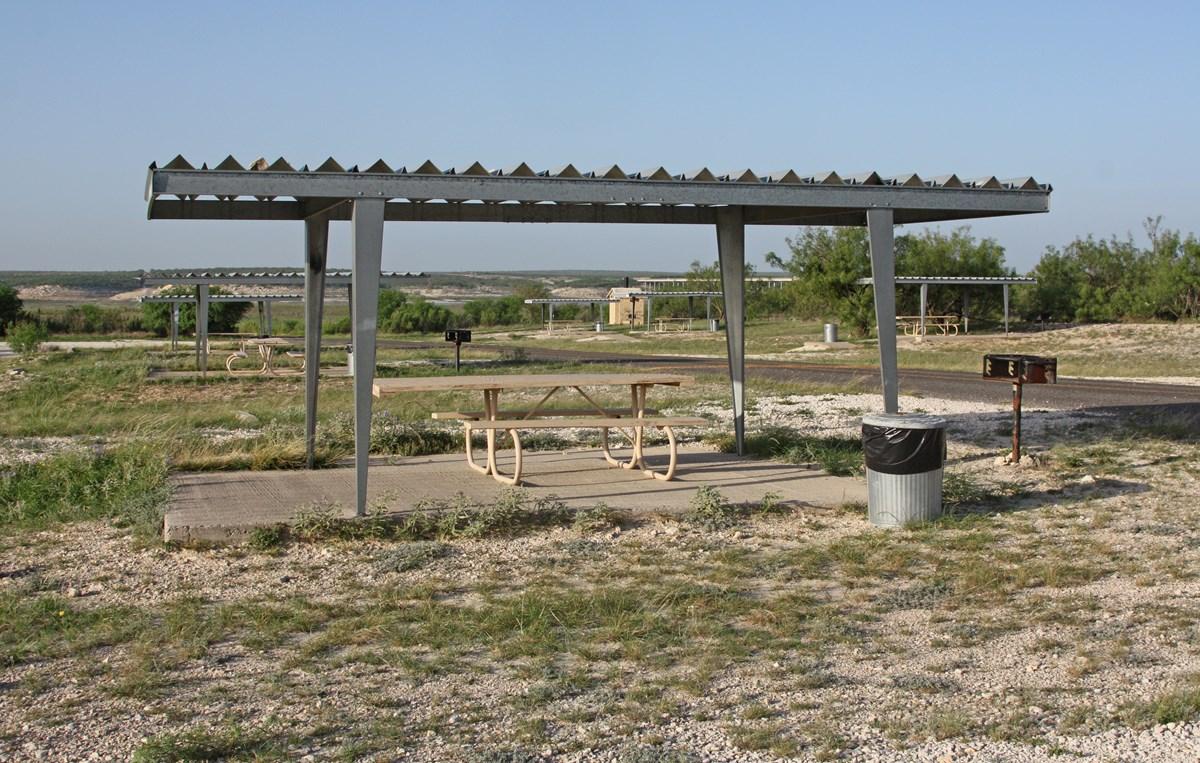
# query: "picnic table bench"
[[636, 418], [266, 347], [946, 325]]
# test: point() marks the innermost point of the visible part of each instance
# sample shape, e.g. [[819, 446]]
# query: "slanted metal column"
[[202, 329], [731, 252], [366, 229], [174, 325], [924, 302], [1005, 308], [883, 275], [316, 246]]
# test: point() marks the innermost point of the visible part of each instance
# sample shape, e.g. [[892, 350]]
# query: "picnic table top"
[[274, 341], [522, 381]]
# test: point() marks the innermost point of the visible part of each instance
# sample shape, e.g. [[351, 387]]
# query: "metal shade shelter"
[[473, 193], [263, 301], [924, 281], [203, 280], [550, 302]]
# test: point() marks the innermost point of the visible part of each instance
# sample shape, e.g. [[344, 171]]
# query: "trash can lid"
[[905, 420]]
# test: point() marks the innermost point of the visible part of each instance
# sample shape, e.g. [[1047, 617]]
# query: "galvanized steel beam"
[[316, 245], [883, 270], [731, 254], [367, 245]]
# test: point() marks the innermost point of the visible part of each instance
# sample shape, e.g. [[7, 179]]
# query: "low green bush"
[[26, 337]]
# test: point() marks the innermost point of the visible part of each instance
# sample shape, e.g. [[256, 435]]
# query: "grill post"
[[1016, 437]]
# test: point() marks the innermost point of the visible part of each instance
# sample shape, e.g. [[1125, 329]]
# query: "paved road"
[[952, 385]]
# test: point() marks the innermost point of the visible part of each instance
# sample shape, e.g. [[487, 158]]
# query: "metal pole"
[[1016, 437], [1005, 308], [551, 324], [966, 310], [262, 318], [924, 302], [731, 253], [202, 328], [267, 307], [366, 227], [174, 325], [883, 275], [457, 354], [649, 312], [316, 243]]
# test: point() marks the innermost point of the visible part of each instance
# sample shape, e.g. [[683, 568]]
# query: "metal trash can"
[[714, 324], [599, 327], [831, 333], [905, 455]]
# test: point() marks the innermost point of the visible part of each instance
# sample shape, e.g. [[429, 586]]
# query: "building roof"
[[475, 193]]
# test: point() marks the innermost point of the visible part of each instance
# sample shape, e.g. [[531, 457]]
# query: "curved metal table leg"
[[674, 451], [515, 479], [470, 453]]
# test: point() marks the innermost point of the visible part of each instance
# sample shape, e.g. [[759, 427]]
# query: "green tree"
[[10, 307], [827, 264]]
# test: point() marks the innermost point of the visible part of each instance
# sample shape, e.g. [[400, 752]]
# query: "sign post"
[[458, 336], [1020, 370]]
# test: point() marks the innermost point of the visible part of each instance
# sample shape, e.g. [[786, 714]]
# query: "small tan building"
[[625, 308]]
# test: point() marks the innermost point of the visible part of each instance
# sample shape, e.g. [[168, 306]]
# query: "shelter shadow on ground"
[[218, 507]]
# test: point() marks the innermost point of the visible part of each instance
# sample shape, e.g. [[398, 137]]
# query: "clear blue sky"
[[1099, 99]]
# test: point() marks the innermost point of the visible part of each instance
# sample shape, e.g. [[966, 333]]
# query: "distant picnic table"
[[946, 325], [266, 347], [631, 421]]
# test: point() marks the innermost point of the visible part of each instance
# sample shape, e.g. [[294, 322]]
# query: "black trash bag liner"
[[903, 451]]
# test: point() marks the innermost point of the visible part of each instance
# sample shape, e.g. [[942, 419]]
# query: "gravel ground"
[[1050, 668]]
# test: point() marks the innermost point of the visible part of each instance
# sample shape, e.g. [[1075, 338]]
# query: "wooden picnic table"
[[491, 419], [266, 347]]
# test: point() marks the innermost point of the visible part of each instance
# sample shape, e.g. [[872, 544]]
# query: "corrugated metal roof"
[[962, 280], [299, 275], [615, 172]]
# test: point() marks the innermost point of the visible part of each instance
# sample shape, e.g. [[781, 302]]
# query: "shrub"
[[10, 307], [26, 337]]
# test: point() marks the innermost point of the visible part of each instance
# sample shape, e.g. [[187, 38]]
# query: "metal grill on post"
[[1020, 370]]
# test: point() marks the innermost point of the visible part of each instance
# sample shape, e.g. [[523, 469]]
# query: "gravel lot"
[[1050, 625]]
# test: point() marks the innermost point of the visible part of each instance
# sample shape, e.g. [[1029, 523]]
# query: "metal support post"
[[174, 325], [649, 312], [731, 252], [316, 244], [1016, 444], [551, 323], [202, 329], [924, 302], [1005, 286], [267, 304], [262, 318], [883, 274], [966, 312], [366, 230]]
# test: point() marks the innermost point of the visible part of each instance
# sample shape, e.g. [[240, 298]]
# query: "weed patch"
[[128, 485]]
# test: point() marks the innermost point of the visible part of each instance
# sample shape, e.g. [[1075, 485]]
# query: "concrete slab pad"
[[222, 507]]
